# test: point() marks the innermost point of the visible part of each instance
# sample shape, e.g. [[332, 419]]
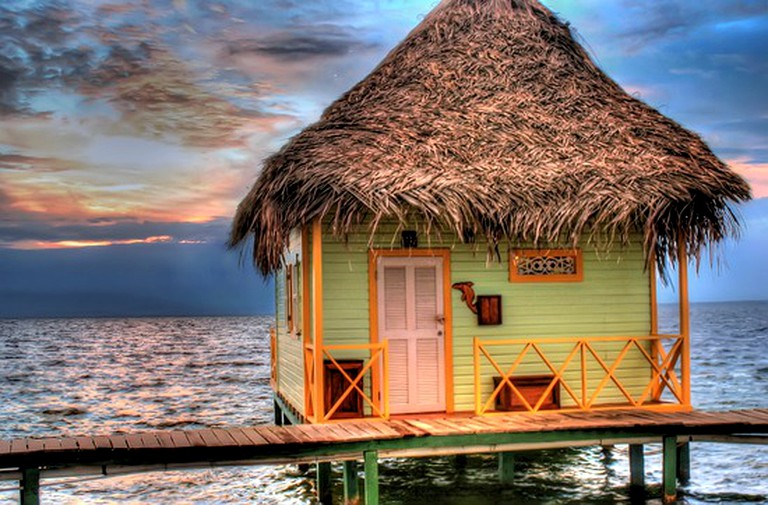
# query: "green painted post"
[[507, 468], [29, 494], [371, 463], [684, 463], [670, 469], [636, 466], [351, 489], [324, 490]]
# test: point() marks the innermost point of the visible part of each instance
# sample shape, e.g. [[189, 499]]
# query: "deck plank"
[[118, 442], [209, 439], [180, 439], [85, 443], [19, 445], [195, 438], [102, 442], [267, 435], [51, 444], [150, 441], [224, 437], [239, 437], [35, 444], [165, 439], [254, 436]]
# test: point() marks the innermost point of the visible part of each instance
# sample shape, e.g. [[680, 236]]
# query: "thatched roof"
[[490, 118]]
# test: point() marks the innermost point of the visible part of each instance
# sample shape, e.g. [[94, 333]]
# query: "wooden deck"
[[117, 454]]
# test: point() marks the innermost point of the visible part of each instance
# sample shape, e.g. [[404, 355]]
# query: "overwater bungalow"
[[478, 227]]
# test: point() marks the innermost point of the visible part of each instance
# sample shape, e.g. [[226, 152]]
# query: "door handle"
[[440, 319]]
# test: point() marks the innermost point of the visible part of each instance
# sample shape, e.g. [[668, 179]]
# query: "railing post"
[[317, 315], [371, 463], [685, 320], [29, 493], [385, 386], [476, 361]]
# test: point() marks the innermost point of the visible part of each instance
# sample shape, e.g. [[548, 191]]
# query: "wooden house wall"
[[612, 300], [290, 363]]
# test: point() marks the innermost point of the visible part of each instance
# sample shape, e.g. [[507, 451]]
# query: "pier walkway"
[[32, 459]]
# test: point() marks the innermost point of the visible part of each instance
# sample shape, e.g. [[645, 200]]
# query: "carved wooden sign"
[[467, 294]]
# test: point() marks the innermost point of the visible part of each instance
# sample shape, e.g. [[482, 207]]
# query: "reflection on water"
[[86, 376]]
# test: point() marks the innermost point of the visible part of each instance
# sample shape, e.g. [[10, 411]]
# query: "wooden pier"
[[32, 459]]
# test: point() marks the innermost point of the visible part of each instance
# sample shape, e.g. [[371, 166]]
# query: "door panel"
[[411, 301]]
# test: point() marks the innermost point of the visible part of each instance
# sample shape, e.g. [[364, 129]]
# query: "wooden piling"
[[684, 463], [636, 466], [371, 464], [670, 469], [351, 489], [29, 493], [324, 489], [507, 468]]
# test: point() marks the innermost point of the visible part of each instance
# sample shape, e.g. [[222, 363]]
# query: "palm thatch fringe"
[[490, 119]]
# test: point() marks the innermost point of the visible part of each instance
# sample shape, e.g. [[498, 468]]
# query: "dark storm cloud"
[[20, 227], [301, 43], [20, 163], [129, 58], [651, 21]]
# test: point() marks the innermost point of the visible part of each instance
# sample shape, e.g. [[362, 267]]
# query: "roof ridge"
[[493, 5]]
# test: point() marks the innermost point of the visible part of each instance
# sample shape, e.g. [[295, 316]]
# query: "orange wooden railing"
[[375, 366], [273, 358], [664, 364]]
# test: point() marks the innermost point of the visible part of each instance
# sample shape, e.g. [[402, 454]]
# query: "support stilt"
[[324, 490], [278, 413], [684, 463], [29, 494], [460, 462], [670, 469], [507, 468], [636, 473], [371, 463], [636, 466], [351, 489]]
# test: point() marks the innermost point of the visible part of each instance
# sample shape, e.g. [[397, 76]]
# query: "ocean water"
[[88, 376]]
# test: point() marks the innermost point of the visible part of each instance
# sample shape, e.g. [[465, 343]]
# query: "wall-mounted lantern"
[[409, 239]]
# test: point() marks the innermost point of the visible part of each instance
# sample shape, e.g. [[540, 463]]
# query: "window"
[[293, 298], [545, 265]]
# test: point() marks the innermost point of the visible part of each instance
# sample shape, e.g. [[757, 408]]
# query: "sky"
[[130, 130]]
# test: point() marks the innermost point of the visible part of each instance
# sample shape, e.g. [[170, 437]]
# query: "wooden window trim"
[[289, 319], [529, 253]]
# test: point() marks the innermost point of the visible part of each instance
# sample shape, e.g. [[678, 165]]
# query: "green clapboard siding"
[[290, 363], [612, 300]]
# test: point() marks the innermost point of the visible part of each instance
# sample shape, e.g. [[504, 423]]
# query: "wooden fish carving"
[[467, 294]]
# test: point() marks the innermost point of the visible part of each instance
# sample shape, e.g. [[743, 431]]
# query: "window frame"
[[575, 253]]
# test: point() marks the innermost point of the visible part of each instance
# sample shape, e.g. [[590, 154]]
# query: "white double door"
[[410, 307]]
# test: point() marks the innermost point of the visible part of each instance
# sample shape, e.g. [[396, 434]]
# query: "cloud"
[[654, 21], [301, 43], [132, 58], [755, 173], [25, 230]]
